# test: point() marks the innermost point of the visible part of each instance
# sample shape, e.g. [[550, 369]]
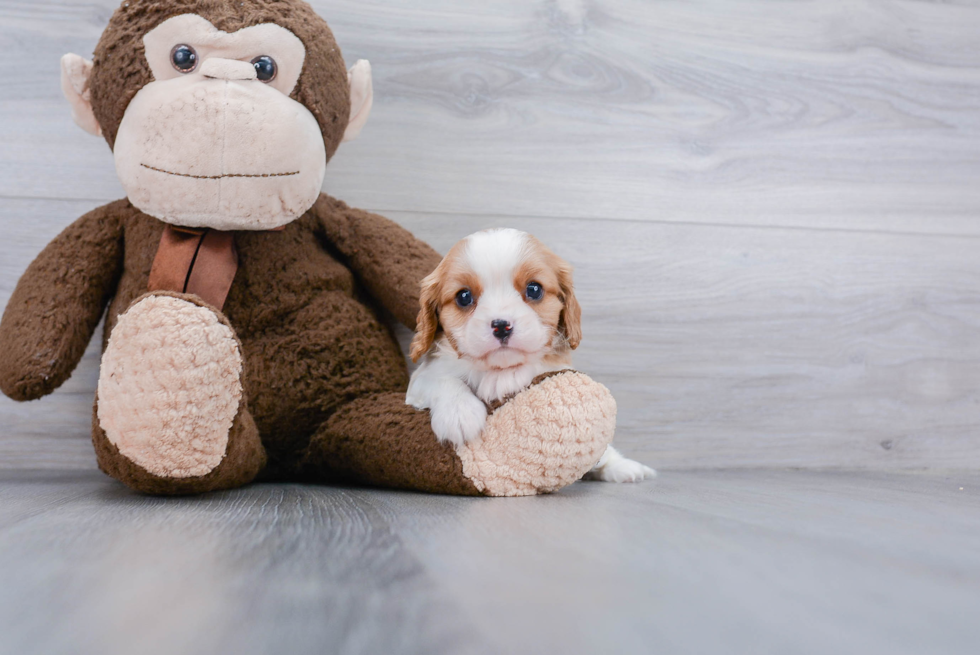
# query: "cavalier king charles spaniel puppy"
[[498, 311]]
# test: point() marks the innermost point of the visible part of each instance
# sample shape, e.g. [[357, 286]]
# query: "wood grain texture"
[[857, 115], [771, 206], [694, 562]]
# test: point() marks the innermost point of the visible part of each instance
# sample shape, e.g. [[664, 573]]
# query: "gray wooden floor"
[[695, 562], [774, 215]]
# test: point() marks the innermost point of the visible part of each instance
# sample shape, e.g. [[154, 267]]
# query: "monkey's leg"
[[171, 416], [543, 439]]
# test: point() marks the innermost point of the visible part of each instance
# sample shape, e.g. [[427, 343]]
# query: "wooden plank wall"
[[772, 206]]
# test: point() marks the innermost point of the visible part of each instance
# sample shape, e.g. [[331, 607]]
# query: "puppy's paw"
[[616, 468], [459, 422]]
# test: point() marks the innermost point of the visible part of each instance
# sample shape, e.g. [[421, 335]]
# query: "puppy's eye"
[[183, 58], [464, 298], [534, 291], [265, 68]]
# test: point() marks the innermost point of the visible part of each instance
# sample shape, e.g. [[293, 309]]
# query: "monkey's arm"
[[57, 304], [386, 258]]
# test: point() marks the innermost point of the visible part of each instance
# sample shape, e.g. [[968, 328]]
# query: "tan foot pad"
[[543, 439], [170, 386]]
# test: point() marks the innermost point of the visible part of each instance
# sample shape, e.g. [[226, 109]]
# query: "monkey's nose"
[[227, 69], [501, 328]]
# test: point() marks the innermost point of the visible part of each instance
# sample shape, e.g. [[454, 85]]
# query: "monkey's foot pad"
[[543, 439], [170, 386]]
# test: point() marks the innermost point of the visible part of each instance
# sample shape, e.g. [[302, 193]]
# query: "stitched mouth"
[[219, 177]]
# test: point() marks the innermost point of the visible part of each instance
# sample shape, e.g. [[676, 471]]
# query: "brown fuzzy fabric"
[[58, 302], [379, 440], [390, 271], [324, 378], [244, 459], [302, 304], [312, 337], [121, 70]]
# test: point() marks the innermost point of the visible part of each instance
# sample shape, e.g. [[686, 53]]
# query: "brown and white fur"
[[498, 311]]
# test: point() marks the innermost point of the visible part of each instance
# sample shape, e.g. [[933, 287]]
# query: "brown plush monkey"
[[246, 329]]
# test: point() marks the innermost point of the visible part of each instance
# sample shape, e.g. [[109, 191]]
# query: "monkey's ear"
[[75, 72], [361, 98]]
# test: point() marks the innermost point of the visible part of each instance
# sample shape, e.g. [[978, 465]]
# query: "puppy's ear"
[[570, 321], [427, 324]]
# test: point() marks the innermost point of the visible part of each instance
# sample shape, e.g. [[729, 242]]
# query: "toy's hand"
[[59, 300], [384, 256], [460, 419]]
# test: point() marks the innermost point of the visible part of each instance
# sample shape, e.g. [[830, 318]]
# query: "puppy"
[[498, 311]]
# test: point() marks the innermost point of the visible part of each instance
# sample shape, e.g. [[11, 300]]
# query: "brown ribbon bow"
[[199, 261]]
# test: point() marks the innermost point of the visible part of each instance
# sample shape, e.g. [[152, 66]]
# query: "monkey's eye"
[[183, 58], [265, 68], [534, 291], [464, 298]]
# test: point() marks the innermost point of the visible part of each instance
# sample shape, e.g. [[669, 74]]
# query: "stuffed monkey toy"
[[248, 332]]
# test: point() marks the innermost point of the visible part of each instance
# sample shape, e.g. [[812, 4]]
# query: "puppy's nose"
[[501, 328]]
